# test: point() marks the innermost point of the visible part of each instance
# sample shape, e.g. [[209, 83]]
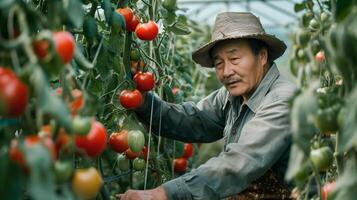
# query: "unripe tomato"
[[180, 165], [147, 31], [144, 81], [187, 150], [314, 24], [136, 140], [327, 189], [322, 158], [324, 16], [86, 183], [63, 171], [13, 94], [134, 55], [139, 164], [302, 37], [40, 48], [127, 13], [320, 56], [133, 23], [119, 141], [94, 142], [130, 154], [123, 162], [169, 4], [81, 125], [130, 99], [65, 44]]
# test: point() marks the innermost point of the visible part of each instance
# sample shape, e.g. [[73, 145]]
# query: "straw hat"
[[234, 25]]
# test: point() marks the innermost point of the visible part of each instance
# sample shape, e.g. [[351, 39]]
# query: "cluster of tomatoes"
[[144, 31], [131, 146], [181, 163]]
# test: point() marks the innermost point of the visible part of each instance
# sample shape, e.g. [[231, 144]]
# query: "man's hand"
[[154, 194]]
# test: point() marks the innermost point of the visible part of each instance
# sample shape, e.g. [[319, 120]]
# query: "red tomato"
[[133, 23], [65, 45], [13, 94], [127, 13], [180, 165], [130, 99], [119, 141], [94, 142], [187, 150], [41, 48], [144, 81], [175, 90], [327, 189], [320, 56], [130, 154], [147, 31], [15, 154]]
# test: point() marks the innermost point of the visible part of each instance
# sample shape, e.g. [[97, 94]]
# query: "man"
[[250, 112]]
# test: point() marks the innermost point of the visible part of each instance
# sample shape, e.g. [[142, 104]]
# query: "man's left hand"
[[154, 194]]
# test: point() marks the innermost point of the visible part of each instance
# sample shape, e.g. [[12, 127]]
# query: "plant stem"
[[338, 156]]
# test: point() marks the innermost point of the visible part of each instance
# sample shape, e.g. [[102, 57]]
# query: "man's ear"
[[263, 56]]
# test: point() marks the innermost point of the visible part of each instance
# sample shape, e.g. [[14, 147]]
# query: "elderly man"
[[250, 112]]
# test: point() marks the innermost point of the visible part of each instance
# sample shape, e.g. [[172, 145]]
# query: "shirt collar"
[[258, 95]]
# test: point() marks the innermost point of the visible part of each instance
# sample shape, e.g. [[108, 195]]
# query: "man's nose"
[[228, 70]]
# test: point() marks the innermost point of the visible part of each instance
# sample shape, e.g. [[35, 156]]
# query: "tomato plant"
[[130, 99], [118, 141], [147, 31], [86, 183], [94, 142], [144, 81], [13, 94]]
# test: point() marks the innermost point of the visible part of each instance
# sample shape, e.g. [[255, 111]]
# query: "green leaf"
[[90, 28], [299, 7], [75, 12], [41, 184], [48, 102], [132, 123], [168, 93], [81, 60], [179, 29], [6, 3], [348, 136], [108, 10], [297, 165], [118, 22], [343, 8], [302, 119]]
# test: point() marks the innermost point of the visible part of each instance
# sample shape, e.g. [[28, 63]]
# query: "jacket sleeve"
[[262, 141], [186, 122]]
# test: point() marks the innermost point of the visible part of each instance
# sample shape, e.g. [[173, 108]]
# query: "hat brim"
[[276, 48]]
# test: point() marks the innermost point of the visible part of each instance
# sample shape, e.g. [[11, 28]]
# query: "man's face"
[[238, 68]]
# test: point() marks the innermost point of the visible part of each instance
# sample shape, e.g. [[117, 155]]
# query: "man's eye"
[[217, 63]]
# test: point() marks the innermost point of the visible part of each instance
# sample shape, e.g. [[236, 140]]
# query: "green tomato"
[[324, 16], [302, 37], [170, 4], [326, 119], [63, 171], [314, 24], [139, 164], [81, 125], [134, 54], [123, 162], [136, 140], [322, 158]]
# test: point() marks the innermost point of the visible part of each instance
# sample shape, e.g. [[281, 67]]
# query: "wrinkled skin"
[[154, 194]]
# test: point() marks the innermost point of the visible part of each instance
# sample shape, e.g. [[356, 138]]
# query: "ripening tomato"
[[320, 56], [13, 94], [133, 23], [131, 155], [94, 142], [40, 48], [65, 44], [127, 13], [187, 150], [327, 189], [144, 153], [136, 141], [119, 141], [147, 31], [144, 81], [86, 183], [130, 99], [81, 125], [175, 90], [180, 165]]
